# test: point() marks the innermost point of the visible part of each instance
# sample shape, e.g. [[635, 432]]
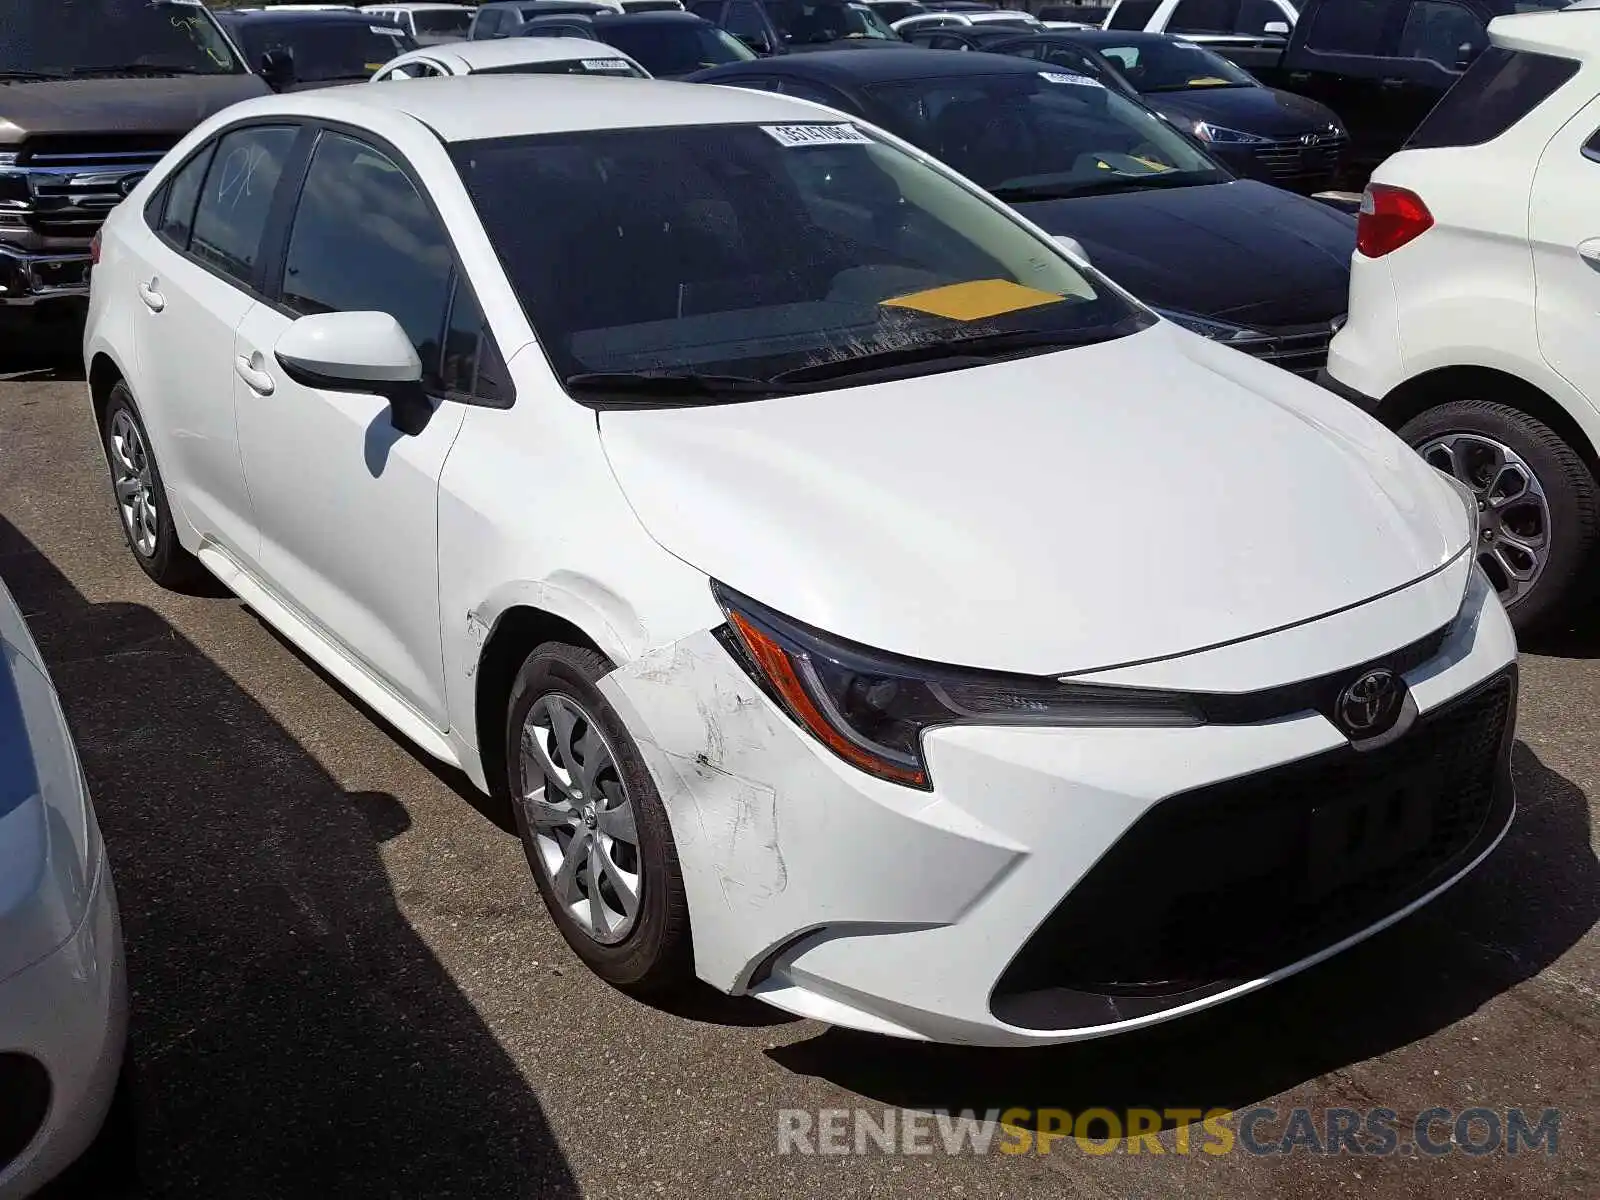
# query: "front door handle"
[[258, 380], [151, 295]]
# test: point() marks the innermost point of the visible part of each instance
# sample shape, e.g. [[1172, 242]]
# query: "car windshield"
[[1173, 66], [88, 37], [600, 64], [734, 258], [668, 48], [325, 50], [808, 22], [1042, 135], [442, 21]]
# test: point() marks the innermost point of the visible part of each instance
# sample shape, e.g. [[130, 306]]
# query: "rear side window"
[[237, 197], [1133, 14], [183, 192], [1496, 92], [1351, 26]]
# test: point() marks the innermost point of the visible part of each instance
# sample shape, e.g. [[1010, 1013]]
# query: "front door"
[[346, 505]]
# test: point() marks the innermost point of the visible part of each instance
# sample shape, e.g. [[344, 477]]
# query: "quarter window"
[[183, 192], [233, 208], [1497, 91], [1350, 26], [363, 240]]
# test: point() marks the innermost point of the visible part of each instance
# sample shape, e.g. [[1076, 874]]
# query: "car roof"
[[610, 17], [885, 66], [473, 107], [269, 16], [504, 52], [1109, 37], [419, 6]]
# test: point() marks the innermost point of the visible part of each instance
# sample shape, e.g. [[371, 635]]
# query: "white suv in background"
[[1473, 300]]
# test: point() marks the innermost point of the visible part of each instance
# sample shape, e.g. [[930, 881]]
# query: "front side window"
[[1441, 32], [183, 194], [237, 197], [1203, 16], [325, 51], [1174, 66], [1351, 27], [86, 38], [1133, 14], [745, 23], [1043, 135], [363, 240], [441, 22], [675, 48], [687, 256], [809, 22]]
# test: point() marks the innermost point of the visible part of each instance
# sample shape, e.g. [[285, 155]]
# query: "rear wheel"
[[141, 497], [1538, 510], [593, 826]]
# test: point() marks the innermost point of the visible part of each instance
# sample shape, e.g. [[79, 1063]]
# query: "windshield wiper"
[[956, 352], [135, 69], [671, 385]]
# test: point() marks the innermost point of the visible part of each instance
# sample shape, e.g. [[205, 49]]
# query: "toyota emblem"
[[1371, 704]]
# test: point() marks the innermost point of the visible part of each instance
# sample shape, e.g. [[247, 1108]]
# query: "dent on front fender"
[[777, 838]]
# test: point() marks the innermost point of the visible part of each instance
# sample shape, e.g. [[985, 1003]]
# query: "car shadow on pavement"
[[1530, 901], [291, 1034], [41, 351]]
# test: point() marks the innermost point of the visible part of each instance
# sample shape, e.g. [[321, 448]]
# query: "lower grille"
[[1233, 881], [24, 1101], [1302, 349]]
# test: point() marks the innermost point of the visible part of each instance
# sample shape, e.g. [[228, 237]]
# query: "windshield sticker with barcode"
[[1074, 80], [817, 135], [605, 64]]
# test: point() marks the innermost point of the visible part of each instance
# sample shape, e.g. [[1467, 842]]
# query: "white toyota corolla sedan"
[[512, 56], [866, 605], [63, 995]]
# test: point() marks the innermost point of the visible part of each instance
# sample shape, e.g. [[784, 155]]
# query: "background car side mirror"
[[1276, 28], [277, 68], [363, 352]]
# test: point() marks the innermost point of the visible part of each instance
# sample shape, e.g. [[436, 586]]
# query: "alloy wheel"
[[581, 816], [133, 483], [1513, 511]]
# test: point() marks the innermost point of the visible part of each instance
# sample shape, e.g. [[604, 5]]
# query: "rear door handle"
[[153, 299], [257, 379]]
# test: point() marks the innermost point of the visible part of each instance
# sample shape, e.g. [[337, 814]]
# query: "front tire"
[[141, 496], [593, 826]]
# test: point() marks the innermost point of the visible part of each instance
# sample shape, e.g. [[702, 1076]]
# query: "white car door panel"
[[1564, 233], [345, 504]]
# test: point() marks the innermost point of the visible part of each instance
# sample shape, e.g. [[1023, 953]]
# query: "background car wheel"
[[593, 826], [1536, 496], [141, 498]]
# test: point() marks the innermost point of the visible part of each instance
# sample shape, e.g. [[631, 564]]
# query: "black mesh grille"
[[24, 1100], [1234, 881], [1302, 349]]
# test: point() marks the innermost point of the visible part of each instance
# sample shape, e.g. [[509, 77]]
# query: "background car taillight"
[[1390, 217], [94, 249]]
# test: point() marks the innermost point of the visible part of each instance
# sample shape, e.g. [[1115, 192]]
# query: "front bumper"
[[30, 278], [66, 1012], [978, 913]]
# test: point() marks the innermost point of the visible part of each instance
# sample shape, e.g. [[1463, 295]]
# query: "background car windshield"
[[1052, 132], [751, 250], [326, 49], [805, 22], [86, 36], [440, 21], [600, 64], [676, 48], [1174, 66]]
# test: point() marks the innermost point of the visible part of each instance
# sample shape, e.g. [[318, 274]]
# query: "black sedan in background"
[[1255, 266], [1258, 131], [297, 50]]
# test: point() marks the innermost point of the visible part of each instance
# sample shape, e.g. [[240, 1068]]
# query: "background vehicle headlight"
[[1217, 135], [1217, 331], [871, 708]]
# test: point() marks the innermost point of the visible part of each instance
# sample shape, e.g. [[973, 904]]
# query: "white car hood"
[[1117, 503]]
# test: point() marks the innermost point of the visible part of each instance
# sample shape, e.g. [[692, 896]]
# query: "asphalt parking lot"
[[343, 983]]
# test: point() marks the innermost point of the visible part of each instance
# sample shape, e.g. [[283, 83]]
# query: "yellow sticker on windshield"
[[1151, 163], [372, 66], [1208, 81], [974, 300]]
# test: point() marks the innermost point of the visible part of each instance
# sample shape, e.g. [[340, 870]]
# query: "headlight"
[[871, 708], [1218, 136], [1217, 331]]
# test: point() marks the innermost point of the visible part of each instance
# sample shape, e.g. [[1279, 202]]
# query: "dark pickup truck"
[[92, 94], [1381, 65]]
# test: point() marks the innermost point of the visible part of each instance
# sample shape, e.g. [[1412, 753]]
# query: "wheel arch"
[[1422, 392], [104, 374]]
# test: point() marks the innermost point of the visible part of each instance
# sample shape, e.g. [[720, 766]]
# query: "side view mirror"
[[363, 352], [1072, 246], [277, 68], [1276, 28]]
